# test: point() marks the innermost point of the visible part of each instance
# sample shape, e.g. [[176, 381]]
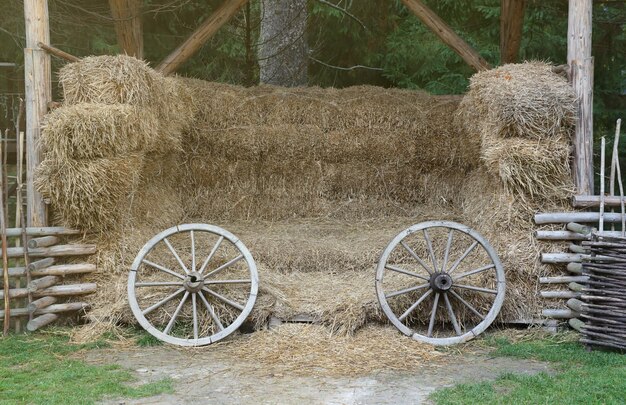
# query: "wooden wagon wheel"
[[188, 283], [432, 268]]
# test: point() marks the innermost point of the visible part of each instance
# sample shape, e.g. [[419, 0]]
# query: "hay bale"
[[538, 170], [119, 79], [523, 100], [89, 130], [90, 194]]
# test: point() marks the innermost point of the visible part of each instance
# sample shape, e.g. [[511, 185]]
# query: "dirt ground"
[[204, 377]]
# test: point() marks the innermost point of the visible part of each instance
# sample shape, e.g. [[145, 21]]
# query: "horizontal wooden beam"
[[42, 231], [58, 250], [57, 270], [593, 201], [559, 294], [566, 217], [56, 291], [199, 37], [57, 52], [50, 309], [447, 34]]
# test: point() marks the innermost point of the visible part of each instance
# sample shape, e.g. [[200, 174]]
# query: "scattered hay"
[[89, 130], [306, 350]]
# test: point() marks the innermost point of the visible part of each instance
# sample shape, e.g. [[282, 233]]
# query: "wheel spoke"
[[430, 250], [415, 305], [158, 284], [210, 256], [163, 301], [225, 265], [467, 304], [416, 257], [193, 252], [457, 329], [407, 272], [209, 307], [460, 259], [171, 248], [479, 289], [195, 316], [407, 290], [223, 299], [170, 324], [479, 270], [431, 324], [163, 269], [446, 255], [227, 282]]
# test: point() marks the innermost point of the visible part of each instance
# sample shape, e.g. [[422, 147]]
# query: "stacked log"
[[602, 305], [38, 300]]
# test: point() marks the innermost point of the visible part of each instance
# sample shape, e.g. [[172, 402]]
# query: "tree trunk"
[[511, 24], [283, 50]]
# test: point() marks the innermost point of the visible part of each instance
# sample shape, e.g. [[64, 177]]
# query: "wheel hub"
[[440, 282], [193, 282]]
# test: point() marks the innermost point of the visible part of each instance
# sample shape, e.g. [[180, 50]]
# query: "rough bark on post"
[[581, 71], [511, 24], [37, 77], [199, 37], [127, 20], [447, 35], [283, 49]]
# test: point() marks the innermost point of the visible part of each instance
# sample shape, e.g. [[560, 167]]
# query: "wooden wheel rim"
[[476, 330], [206, 340]]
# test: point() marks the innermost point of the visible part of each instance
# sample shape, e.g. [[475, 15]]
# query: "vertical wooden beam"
[[581, 72], [511, 24], [38, 89], [127, 20], [198, 38], [447, 35]]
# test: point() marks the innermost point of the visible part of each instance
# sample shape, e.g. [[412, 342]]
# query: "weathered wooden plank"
[[38, 92], [55, 291], [593, 201], [51, 309], [57, 270], [447, 35], [41, 321], [560, 313], [566, 217], [559, 294], [43, 241], [581, 72], [563, 279], [54, 251]]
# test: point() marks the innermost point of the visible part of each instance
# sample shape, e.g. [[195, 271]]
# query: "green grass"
[[581, 377], [38, 369]]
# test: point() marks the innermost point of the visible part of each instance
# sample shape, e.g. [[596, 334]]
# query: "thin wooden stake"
[[5, 258], [602, 162]]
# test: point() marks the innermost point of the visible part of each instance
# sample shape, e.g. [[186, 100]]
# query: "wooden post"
[[195, 41], [37, 76], [127, 20], [511, 24], [447, 35], [581, 72]]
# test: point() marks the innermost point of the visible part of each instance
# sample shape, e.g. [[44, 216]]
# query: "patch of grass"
[[582, 377], [38, 369]]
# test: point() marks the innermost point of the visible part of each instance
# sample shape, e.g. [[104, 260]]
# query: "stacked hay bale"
[[315, 181], [116, 111]]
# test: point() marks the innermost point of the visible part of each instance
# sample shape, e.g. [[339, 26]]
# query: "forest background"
[[350, 42]]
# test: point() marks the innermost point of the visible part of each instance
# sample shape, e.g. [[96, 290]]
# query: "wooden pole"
[[511, 24], [58, 53], [199, 37], [5, 263], [38, 89], [581, 72], [447, 35], [127, 20]]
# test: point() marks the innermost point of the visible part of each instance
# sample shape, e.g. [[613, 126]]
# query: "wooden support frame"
[[128, 27], [447, 34], [199, 37], [38, 89], [581, 73], [511, 25]]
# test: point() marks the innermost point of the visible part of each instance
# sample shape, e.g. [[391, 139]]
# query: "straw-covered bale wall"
[[314, 181]]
